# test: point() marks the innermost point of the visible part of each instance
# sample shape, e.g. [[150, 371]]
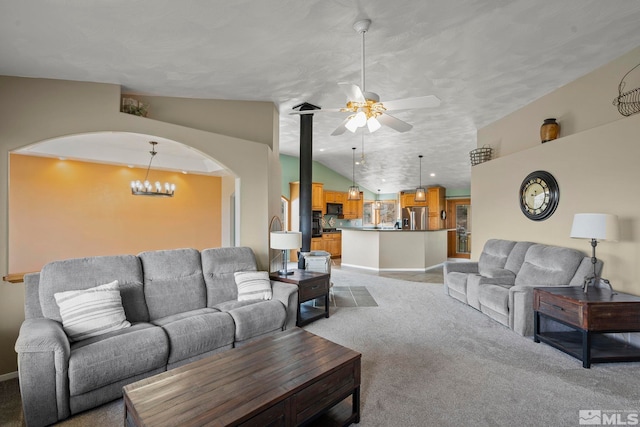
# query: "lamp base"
[[595, 281], [285, 272]]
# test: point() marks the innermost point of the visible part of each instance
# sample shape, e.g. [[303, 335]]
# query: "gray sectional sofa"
[[182, 305], [501, 283]]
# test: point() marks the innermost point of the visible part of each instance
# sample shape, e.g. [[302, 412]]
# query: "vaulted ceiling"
[[482, 58]]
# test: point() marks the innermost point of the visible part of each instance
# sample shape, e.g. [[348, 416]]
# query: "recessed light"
[[322, 149], [184, 172], [432, 174], [130, 166], [384, 180]]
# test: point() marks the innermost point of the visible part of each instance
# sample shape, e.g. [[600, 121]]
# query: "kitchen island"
[[393, 250]]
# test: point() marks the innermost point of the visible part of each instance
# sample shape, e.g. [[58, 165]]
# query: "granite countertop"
[[385, 229]]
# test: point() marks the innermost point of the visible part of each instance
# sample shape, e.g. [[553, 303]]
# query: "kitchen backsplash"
[[332, 221]]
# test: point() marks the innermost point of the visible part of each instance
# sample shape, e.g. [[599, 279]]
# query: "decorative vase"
[[549, 130]]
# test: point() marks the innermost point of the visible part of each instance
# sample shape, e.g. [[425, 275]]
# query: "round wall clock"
[[539, 195]]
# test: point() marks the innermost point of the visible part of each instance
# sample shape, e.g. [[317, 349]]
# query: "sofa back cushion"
[[219, 266], [494, 255], [546, 265], [516, 256], [84, 273], [173, 281]]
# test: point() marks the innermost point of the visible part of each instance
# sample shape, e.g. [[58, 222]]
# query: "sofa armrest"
[[521, 309], [43, 361], [287, 294], [460, 267]]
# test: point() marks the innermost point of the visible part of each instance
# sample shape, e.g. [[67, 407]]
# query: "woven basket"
[[480, 155]]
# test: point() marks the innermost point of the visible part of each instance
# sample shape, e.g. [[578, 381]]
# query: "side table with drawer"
[[587, 317], [311, 285]]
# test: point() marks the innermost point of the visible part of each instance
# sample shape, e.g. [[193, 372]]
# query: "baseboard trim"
[[9, 376]]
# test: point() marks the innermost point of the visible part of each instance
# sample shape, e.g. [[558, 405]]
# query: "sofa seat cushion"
[[196, 332], [115, 356], [230, 305], [257, 319], [502, 275], [495, 297]]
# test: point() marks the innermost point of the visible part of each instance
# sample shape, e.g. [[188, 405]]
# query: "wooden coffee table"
[[286, 379]]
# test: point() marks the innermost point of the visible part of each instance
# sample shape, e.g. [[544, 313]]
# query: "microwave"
[[334, 208]]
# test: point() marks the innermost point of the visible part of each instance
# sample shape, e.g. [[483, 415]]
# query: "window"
[[386, 217]]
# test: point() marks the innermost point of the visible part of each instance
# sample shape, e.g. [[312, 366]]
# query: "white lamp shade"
[[595, 226], [286, 240]]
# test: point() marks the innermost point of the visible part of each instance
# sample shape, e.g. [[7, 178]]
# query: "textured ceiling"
[[482, 58]]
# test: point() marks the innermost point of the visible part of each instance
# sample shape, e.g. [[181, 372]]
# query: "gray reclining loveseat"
[[181, 305], [501, 283]]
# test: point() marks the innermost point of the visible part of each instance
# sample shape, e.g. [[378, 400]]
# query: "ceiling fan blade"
[[393, 123], [342, 128], [353, 92], [428, 101], [323, 110]]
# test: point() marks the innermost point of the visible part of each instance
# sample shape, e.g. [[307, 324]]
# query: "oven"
[[316, 223]]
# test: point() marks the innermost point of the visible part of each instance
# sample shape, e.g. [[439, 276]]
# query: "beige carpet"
[[428, 360]]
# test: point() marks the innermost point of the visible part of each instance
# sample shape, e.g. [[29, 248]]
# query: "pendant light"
[[145, 188], [354, 190], [421, 194]]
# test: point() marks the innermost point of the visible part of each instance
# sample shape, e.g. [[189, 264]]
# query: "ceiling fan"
[[366, 108]]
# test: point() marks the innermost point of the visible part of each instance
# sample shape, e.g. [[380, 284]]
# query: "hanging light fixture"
[[354, 190], [145, 188], [421, 194], [377, 205]]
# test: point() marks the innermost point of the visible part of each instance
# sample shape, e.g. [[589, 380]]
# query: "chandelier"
[[145, 188], [354, 190], [421, 194]]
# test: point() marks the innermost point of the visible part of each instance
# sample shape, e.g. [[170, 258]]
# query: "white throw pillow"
[[253, 285], [91, 312]]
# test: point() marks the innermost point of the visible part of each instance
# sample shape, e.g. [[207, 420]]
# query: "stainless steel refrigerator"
[[415, 218]]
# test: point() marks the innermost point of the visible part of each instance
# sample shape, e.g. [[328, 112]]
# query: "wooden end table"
[[589, 316], [311, 285], [290, 378]]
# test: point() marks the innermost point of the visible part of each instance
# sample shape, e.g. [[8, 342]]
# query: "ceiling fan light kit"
[[365, 108]]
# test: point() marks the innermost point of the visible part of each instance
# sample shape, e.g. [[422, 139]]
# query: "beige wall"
[[32, 110], [595, 162]]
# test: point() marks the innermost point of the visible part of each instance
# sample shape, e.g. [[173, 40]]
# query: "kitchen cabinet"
[[353, 208], [317, 197], [332, 243], [334, 197], [317, 244], [409, 199], [436, 203]]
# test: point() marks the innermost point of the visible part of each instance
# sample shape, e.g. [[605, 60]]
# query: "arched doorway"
[[70, 197]]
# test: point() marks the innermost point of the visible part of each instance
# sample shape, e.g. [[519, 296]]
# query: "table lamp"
[[285, 240], [594, 226]]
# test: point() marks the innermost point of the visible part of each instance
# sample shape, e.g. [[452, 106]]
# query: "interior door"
[[459, 228]]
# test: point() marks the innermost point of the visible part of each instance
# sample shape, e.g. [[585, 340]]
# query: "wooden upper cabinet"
[[409, 199], [317, 197], [334, 197], [353, 208], [436, 203]]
